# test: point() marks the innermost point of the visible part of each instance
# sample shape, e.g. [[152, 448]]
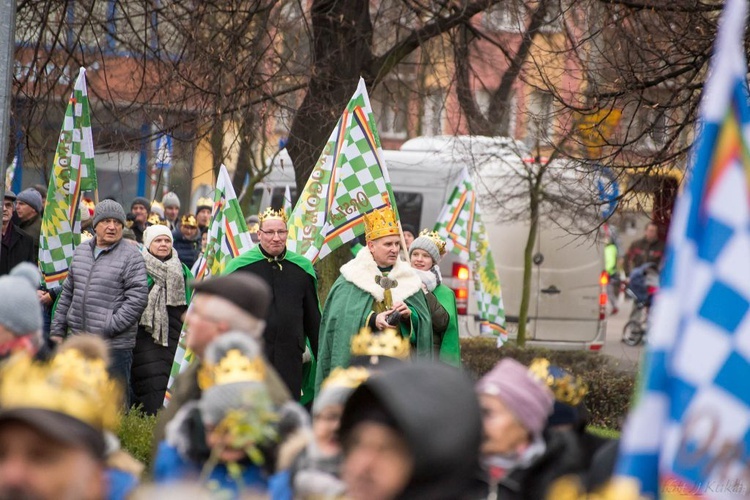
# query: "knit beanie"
[[428, 245], [151, 232], [32, 198], [140, 200], [526, 397], [20, 311], [170, 200], [108, 209]]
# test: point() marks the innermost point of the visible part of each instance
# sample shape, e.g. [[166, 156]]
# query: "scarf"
[[501, 465], [429, 279], [168, 290]]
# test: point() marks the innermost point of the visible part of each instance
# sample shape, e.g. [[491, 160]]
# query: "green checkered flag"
[[349, 181], [460, 224], [73, 172]]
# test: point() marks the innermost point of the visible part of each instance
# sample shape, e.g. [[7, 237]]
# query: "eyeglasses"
[[280, 234]]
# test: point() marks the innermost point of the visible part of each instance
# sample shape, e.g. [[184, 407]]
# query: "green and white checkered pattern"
[[228, 238], [460, 224], [10, 173], [73, 172], [359, 177]]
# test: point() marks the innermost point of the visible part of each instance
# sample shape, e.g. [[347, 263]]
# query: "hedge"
[[137, 434], [610, 389]]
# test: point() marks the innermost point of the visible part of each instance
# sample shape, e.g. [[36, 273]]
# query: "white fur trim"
[[361, 272]]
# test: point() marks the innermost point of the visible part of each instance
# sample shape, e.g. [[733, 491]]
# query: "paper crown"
[[389, 343], [155, 220], [204, 202], [351, 377], [435, 237], [188, 220], [271, 214], [379, 223], [566, 388], [70, 384], [233, 367]]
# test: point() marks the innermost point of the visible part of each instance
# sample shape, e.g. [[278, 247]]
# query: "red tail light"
[[603, 282], [651, 290], [461, 275], [604, 278]]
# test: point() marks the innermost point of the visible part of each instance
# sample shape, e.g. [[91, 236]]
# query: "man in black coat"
[[294, 314], [17, 246]]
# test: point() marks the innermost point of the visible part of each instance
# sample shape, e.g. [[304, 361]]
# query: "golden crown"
[[389, 343], [188, 220], [351, 377], [155, 220], [379, 223], [566, 388], [233, 367], [271, 214], [435, 237], [69, 383], [204, 202]]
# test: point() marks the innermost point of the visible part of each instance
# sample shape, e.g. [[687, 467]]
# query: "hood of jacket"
[[437, 413]]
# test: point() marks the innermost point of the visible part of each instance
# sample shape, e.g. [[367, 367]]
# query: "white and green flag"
[[10, 173], [227, 238], [460, 224], [73, 172], [349, 181]]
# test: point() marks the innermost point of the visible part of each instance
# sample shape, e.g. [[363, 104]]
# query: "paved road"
[[626, 355]]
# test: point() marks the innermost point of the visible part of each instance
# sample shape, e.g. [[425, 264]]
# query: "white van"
[[567, 309]]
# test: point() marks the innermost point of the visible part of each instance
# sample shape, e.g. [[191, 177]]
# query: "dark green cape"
[[450, 349], [346, 310], [251, 257]]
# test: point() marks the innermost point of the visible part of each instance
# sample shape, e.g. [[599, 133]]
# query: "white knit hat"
[[151, 232]]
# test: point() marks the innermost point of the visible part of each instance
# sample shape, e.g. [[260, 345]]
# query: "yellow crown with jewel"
[[271, 214], [351, 377], [205, 203], [566, 388], [233, 367], [70, 384], [379, 223], [389, 343], [435, 237], [155, 220]]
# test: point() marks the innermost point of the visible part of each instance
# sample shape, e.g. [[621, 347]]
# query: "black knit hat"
[[245, 290]]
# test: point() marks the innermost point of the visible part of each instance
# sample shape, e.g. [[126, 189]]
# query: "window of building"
[[390, 104], [506, 16], [433, 113], [539, 130]]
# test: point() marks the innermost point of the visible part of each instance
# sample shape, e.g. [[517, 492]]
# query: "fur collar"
[[361, 272]]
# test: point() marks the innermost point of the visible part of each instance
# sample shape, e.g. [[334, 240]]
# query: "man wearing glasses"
[[294, 314], [106, 291], [17, 246]]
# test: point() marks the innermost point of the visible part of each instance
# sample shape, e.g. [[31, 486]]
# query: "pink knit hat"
[[525, 396]]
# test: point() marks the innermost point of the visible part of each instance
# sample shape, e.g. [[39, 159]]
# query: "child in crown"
[[231, 439]]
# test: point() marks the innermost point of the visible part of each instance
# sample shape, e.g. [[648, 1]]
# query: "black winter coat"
[[21, 249], [187, 250]]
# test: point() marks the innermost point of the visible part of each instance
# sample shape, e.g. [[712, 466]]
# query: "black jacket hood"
[[435, 409]]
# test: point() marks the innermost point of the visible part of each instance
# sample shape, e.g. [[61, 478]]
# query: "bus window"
[[409, 208]]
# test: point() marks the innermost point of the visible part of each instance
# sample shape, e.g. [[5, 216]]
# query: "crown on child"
[[389, 343], [233, 367], [435, 237], [566, 388]]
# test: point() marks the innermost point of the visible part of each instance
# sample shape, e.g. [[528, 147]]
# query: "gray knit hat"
[[428, 245], [171, 200], [140, 200], [20, 311], [108, 209], [32, 198]]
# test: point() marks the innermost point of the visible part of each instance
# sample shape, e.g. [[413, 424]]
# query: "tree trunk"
[[528, 252]]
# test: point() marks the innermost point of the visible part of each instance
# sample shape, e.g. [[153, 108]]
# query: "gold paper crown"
[[351, 377], [188, 220], [204, 202], [233, 367], [566, 388], [379, 223], [155, 220], [435, 237], [389, 343], [271, 214], [70, 384]]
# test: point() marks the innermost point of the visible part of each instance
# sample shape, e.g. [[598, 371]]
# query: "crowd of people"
[[362, 398]]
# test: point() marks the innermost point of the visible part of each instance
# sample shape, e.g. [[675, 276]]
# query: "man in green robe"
[[371, 288]]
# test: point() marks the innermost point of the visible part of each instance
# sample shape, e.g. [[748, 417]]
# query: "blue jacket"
[[187, 250]]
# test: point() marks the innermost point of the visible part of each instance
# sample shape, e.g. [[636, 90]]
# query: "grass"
[[604, 432]]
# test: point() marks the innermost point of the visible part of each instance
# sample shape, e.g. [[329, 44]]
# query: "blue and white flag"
[[688, 434], [163, 163]]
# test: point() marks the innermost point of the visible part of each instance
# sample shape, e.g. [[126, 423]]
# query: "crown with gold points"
[[70, 383], [204, 202], [233, 367], [379, 223], [351, 377], [155, 220], [389, 343], [271, 214], [567, 388], [188, 220], [435, 237]]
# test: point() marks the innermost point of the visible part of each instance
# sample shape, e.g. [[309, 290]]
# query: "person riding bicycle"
[[643, 283]]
